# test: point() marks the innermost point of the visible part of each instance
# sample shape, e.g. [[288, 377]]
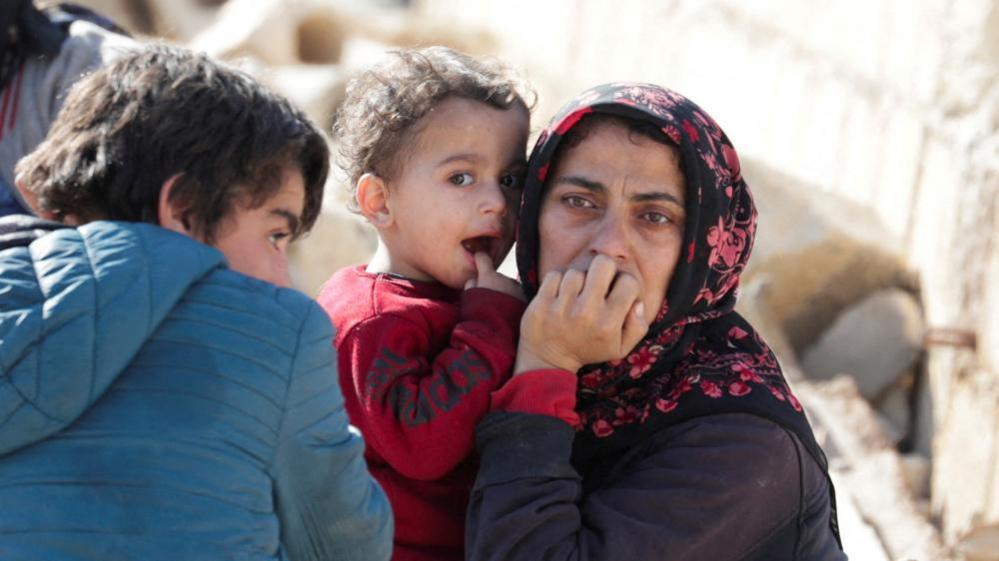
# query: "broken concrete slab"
[[876, 341]]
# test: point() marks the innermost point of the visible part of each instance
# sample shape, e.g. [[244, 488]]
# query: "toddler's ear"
[[372, 200], [169, 214]]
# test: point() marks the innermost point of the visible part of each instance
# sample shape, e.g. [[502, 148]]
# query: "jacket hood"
[[76, 305]]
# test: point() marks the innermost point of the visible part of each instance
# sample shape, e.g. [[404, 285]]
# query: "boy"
[[158, 399], [433, 144]]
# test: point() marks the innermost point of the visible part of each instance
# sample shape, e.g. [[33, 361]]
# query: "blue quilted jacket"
[[155, 404]]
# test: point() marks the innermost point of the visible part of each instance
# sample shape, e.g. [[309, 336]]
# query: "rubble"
[[875, 341], [875, 476]]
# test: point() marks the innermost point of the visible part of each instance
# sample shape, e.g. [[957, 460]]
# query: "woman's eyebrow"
[[583, 182], [656, 196]]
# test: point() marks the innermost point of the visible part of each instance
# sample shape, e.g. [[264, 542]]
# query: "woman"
[[679, 438]]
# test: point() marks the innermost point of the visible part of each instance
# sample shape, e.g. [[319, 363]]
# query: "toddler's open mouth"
[[483, 244]]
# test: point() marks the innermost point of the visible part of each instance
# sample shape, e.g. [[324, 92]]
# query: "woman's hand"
[[488, 277], [578, 319]]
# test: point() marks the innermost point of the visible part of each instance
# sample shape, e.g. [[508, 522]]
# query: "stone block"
[[876, 341], [817, 252]]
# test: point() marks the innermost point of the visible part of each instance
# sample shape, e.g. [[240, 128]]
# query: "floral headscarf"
[[699, 356]]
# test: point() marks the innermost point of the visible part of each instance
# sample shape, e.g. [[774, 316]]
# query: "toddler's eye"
[[461, 179], [511, 181]]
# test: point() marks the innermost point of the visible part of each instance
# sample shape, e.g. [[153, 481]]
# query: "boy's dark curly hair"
[[375, 123], [163, 111]]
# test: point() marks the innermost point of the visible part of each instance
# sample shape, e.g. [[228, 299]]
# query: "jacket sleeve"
[[419, 406], [328, 504], [717, 489]]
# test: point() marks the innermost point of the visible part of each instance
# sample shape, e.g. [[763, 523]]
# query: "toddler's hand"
[[489, 278], [579, 319]]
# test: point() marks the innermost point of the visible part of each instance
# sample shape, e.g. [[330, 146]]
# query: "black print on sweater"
[[419, 405]]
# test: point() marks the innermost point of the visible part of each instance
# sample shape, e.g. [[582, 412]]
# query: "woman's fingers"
[[599, 276], [568, 291], [635, 328], [548, 291], [625, 292], [573, 320]]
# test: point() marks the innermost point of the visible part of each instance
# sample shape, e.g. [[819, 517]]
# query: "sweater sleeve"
[[711, 488], [419, 406], [328, 504]]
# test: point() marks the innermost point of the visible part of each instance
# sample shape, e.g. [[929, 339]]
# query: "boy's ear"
[[372, 197], [168, 213]]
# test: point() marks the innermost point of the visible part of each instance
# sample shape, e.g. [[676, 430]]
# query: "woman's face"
[[619, 194]]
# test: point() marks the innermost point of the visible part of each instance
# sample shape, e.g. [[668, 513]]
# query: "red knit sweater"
[[417, 364]]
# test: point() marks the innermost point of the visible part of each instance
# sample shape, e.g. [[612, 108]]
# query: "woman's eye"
[[511, 181], [656, 218], [461, 179], [576, 201]]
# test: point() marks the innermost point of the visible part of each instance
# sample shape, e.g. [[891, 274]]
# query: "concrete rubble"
[[876, 341]]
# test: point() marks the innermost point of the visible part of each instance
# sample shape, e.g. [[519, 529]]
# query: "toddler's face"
[[457, 191]]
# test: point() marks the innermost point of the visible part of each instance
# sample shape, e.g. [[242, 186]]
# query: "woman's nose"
[[612, 238]]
